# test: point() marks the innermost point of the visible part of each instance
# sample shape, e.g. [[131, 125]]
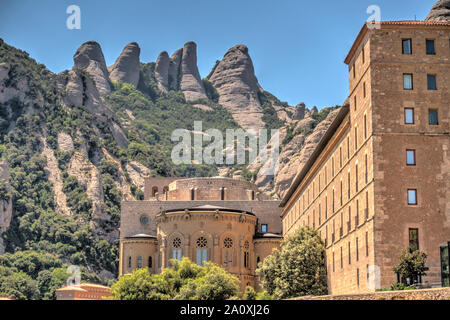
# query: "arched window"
[[192, 194], [150, 262], [202, 251], [222, 194], [154, 191], [258, 260], [246, 255], [228, 252], [139, 262], [253, 195], [129, 262], [176, 251]]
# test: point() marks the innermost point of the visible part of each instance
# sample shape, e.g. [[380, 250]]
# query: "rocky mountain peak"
[[191, 83], [162, 71], [235, 80], [90, 58], [440, 11], [299, 112], [127, 66]]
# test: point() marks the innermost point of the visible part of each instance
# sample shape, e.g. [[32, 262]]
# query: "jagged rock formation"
[[299, 112], [235, 80], [174, 69], [127, 66], [180, 72], [80, 91], [440, 11], [5, 204], [191, 83], [90, 57], [293, 155], [162, 71], [297, 152]]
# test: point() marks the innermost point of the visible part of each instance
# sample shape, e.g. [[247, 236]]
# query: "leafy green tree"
[[249, 294], [49, 281], [298, 269], [183, 280], [214, 283], [411, 266], [17, 285]]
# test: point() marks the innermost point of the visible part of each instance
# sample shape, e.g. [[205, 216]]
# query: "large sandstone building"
[[226, 221], [379, 180]]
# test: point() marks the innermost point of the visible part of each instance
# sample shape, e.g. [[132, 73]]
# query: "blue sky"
[[298, 47]]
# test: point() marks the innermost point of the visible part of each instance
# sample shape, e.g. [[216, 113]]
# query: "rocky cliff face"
[[305, 135], [5, 202], [235, 80], [127, 66], [440, 11], [90, 57]]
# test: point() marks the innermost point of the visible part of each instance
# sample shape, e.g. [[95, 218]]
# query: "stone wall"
[[426, 294]]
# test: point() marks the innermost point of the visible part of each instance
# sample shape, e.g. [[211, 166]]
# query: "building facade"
[[379, 180], [222, 220], [83, 291]]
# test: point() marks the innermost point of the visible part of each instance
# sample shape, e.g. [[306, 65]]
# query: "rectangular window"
[[430, 47], [354, 71], [364, 89], [366, 174], [431, 80], [202, 256], [412, 196], [433, 117], [176, 254], [332, 167], [406, 46], [357, 249], [367, 244], [349, 254], [411, 157], [342, 260], [365, 126], [264, 228], [349, 222], [409, 116], [407, 81], [356, 138], [354, 101], [357, 277], [363, 56], [413, 239], [356, 178]]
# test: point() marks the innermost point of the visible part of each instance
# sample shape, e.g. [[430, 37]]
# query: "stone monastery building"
[[379, 180], [222, 220]]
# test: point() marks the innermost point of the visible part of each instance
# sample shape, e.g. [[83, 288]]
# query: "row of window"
[[139, 262], [349, 252], [407, 48], [295, 213], [433, 117], [222, 194], [408, 81]]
